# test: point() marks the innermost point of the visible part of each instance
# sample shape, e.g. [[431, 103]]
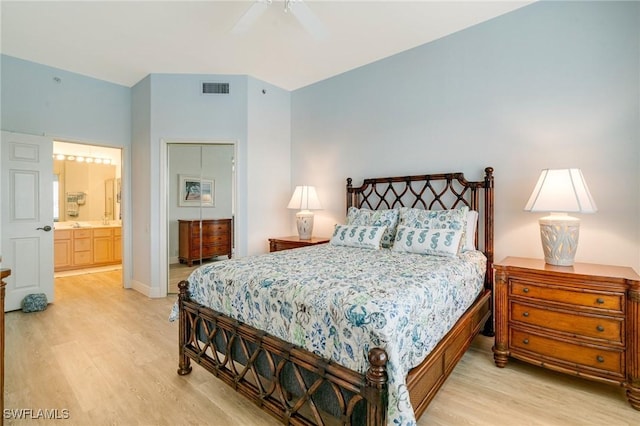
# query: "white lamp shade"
[[305, 198], [561, 190]]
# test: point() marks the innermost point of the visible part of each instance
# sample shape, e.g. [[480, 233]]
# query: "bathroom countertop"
[[89, 224]]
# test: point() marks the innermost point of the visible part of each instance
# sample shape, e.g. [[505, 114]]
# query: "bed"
[[344, 333]]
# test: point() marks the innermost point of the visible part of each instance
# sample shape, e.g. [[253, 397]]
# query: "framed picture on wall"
[[194, 192]]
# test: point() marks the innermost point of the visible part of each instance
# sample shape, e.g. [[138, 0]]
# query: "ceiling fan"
[[298, 8]]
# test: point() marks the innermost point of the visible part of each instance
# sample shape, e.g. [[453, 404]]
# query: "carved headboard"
[[439, 191]]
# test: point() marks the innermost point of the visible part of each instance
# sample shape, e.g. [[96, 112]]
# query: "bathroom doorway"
[[87, 208]]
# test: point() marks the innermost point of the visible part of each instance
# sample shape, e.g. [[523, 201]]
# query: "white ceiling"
[[124, 41]]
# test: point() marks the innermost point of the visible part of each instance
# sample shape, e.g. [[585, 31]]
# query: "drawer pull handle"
[[525, 290], [525, 314], [600, 358], [525, 341], [599, 300], [600, 328]]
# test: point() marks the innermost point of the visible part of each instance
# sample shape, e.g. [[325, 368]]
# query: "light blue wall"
[[554, 84], [76, 108], [161, 108], [177, 112], [140, 183], [268, 164]]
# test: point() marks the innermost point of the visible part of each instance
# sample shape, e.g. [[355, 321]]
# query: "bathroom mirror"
[[86, 191]]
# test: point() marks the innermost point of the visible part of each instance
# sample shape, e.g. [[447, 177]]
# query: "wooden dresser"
[[286, 243], [197, 242], [582, 320]]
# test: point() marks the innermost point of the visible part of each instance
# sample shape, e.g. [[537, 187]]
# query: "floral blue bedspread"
[[339, 302]]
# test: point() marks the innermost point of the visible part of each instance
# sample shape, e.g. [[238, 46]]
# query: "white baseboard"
[[146, 289]]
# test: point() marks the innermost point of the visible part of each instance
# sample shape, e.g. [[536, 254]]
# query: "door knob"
[[46, 228]]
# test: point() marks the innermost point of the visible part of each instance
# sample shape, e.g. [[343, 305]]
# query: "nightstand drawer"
[[591, 326], [596, 300], [573, 355]]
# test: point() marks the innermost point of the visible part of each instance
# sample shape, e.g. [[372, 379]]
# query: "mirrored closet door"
[[201, 206]]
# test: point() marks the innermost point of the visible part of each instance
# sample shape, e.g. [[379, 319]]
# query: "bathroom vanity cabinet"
[[87, 247]]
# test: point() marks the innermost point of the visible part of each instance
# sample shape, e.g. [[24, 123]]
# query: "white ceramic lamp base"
[[559, 234], [304, 221]]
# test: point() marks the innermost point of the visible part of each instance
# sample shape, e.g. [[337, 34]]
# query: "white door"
[[27, 216]]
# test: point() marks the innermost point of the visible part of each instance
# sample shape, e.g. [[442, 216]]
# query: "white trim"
[[126, 179], [146, 290]]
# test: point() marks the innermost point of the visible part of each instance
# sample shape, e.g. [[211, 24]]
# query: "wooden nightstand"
[[286, 243], [582, 320]]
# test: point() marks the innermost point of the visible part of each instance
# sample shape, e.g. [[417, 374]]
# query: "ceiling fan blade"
[[308, 19], [250, 16]]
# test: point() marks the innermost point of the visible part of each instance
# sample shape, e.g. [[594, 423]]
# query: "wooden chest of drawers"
[[582, 320], [198, 242]]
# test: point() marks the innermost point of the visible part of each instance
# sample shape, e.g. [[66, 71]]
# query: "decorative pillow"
[[470, 232], [444, 220], [438, 242], [358, 236], [366, 217], [438, 219]]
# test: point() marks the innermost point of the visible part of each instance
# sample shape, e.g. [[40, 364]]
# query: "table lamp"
[[560, 191], [304, 199]]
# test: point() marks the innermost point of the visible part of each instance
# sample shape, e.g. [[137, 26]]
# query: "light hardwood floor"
[[109, 356], [180, 271]]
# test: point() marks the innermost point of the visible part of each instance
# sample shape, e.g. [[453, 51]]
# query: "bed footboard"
[[292, 384]]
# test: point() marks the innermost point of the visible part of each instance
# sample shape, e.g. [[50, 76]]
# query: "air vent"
[[215, 88]]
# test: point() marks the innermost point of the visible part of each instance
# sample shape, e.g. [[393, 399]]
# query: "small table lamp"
[[304, 199], [560, 191]]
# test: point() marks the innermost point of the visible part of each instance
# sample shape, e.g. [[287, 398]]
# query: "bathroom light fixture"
[[80, 159], [560, 191]]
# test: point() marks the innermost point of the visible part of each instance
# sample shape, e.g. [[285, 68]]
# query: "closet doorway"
[[200, 206]]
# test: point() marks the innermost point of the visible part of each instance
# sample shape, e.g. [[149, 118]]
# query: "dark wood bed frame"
[[301, 388]]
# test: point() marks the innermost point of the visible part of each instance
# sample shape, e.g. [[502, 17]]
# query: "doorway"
[[87, 208], [200, 207]]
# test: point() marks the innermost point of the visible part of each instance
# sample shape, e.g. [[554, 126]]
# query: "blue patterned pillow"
[[434, 219], [438, 242], [366, 217], [358, 236], [443, 220]]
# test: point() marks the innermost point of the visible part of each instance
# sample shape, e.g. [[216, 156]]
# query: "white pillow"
[[438, 242], [470, 234], [358, 236], [447, 220]]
